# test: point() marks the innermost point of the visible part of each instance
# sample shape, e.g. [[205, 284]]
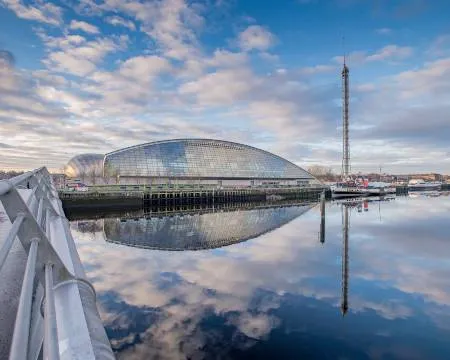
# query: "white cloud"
[[45, 77], [38, 10], [392, 112], [285, 119], [65, 62], [440, 46], [317, 69], [269, 57], [386, 53], [119, 21], [142, 67], [80, 57], [129, 89], [256, 37], [383, 31], [225, 58], [432, 80], [172, 24], [367, 87], [223, 87], [391, 52], [70, 102], [83, 26], [60, 41], [177, 78]]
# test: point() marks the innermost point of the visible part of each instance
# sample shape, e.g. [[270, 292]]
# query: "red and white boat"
[[347, 189]]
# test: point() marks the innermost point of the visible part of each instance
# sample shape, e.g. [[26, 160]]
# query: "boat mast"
[[345, 140]]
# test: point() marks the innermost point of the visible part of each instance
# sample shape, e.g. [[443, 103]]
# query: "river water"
[[257, 283]]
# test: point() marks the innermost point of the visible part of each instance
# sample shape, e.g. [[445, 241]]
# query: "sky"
[[93, 76]]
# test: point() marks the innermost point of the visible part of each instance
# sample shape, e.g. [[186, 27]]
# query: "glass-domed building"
[[85, 165], [190, 161]]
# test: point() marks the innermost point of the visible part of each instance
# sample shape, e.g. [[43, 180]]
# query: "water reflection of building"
[[197, 231]]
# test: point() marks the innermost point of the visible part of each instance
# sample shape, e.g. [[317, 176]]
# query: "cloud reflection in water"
[[280, 292]]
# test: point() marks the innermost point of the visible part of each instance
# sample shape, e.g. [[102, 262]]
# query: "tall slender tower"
[[345, 268], [345, 140]]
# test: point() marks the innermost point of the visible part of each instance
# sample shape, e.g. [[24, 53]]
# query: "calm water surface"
[[259, 284]]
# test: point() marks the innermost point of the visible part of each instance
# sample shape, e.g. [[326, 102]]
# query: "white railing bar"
[[40, 211], [30, 199], [5, 186], [41, 204], [4, 251], [19, 346], [48, 187], [47, 224], [18, 179], [51, 347]]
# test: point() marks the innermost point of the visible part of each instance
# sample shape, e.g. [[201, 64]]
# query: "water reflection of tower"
[[345, 267], [322, 218]]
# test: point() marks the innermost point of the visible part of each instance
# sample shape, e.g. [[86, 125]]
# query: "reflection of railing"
[[170, 210], [185, 197], [69, 325], [120, 189], [100, 195], [221, 207], [188, 187]]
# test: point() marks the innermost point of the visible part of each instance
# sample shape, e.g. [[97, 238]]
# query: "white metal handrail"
[[70, 316]]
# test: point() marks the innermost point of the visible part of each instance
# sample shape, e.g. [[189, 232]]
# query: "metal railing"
[[57, 317], [126, 188]]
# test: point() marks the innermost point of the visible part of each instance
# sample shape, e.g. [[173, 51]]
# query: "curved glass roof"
[[201, 158], [85, 165]]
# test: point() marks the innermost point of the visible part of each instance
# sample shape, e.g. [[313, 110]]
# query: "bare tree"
[[83, 175], [116, 175], [93, 175], [110, 173], [107, 174], [322, 172], [4, 174]]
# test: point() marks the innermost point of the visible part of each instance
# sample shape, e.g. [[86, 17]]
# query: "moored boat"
[[380, 189], [421, 185], [348, 189]]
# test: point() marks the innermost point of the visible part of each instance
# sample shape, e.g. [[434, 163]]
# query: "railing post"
[[51, 351], [40, 209], [19, 347]]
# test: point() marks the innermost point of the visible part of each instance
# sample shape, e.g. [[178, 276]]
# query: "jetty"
[[134, 196]]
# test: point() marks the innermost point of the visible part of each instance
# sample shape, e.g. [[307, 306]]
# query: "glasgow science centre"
[[190, 161]]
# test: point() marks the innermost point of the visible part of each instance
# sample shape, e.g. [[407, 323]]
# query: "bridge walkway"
[[47, 306]]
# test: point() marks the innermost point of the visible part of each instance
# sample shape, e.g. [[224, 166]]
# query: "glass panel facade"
[[197, 158], [85, 165]]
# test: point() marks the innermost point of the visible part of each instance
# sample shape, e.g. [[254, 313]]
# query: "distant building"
[[58, 180], [426, 177], [189, 161]]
